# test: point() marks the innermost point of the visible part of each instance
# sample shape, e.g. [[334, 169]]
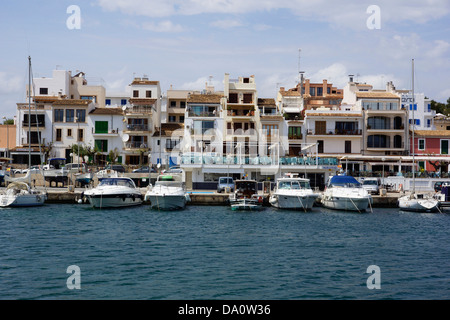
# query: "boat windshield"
[[295, 185], [370, 182], [117, 182], [344, 181]]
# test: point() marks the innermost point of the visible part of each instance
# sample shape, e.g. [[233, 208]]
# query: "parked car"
[[144, 169], [75, 167], [173, 170], [116, 167], [225, 182], [33, 170], [372, 185]]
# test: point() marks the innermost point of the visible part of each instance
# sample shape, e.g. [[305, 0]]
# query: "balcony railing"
[[40, 124], [136, 145], [203, 114], [199, 159], [340, 132], [137, 127]]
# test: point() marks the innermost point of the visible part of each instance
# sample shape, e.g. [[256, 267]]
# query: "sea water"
[[203, 252]]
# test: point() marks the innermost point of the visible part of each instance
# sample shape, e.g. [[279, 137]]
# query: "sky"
[[186, 43]]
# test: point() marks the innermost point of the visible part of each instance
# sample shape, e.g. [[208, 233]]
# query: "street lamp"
[[383, 159]]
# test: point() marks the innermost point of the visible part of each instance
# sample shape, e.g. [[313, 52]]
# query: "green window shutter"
[[102, 145], [101, 126]]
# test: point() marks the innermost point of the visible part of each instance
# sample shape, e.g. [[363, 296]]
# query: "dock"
[[70, 195]]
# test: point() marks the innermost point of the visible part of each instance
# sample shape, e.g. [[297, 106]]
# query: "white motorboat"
[[345, 193], [114, 192], [20, 194], [168, 193], [245, 196], [418, 202], [293, 193]]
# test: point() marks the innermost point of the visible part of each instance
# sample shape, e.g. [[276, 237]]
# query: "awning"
[[390, 163]]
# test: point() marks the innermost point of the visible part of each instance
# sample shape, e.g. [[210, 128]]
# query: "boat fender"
[[260, 199], [38, 198]]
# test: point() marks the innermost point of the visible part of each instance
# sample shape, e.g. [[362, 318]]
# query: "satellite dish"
[[124, 108], [158, 165], [125, 137]]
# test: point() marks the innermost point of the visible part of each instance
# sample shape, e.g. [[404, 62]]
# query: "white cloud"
[[163, 26], [201, 83], [226, 24], [439, 49], [343, 13]]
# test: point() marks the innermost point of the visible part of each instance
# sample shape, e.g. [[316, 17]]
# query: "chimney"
[[350, 77]]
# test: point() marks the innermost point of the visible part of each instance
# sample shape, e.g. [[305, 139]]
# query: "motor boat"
[[114, 192], [245, 196], [346, 193], [20, 194], [84, 178], [168, 193], [418, 202], [293, 193]]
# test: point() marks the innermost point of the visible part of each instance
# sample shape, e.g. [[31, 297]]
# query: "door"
[[321, 127], [444, 146], [348, 147], [319, 146]]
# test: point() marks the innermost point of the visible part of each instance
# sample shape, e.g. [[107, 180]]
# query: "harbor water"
[[212, 252]]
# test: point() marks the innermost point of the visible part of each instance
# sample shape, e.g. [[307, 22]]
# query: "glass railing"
[[261, 160]]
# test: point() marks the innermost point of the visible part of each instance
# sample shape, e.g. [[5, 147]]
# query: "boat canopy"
[[344, 181]]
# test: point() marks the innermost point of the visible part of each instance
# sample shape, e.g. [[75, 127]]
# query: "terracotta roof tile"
[[375, 95], [112, 111], [204, 98]]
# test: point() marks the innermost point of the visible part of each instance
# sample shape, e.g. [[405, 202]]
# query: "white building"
[[423, 115]]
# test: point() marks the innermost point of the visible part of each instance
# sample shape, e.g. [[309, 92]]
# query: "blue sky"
[[184, 42]]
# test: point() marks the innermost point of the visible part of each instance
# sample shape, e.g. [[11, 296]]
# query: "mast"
[[413, 126], [29, 113]]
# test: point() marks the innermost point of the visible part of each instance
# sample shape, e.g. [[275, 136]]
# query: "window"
[[59, 115], [70, 115], [101, 145], [173, 104], [233, 98], [378, 141], [248, 98], [429, 107], [80, 135], [200, 127], [101, 126], [182, 104], [411, 107], [378, 123], [342, 127], [428, 123], [444, 146], [135, 93], [172, 119], [58, 134], [81, 115], [108, 102], [148, 94], [319, 91], [295, 133], [69, 132], [123, 102], [312, 91], [421, 144], [271, 129], [43, 90], [172, 144]]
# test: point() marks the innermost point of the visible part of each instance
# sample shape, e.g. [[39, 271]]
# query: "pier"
[[69, 195]]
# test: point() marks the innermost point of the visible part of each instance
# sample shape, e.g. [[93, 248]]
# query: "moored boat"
[[168, 193], [345, 193], [293, 193], [245, 196], [114, 192]]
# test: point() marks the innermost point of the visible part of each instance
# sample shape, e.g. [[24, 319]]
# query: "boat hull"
[[245, 205], [297, 202], [166, 201], [418, 205], [23, 200], [346, 203], [114, 200]]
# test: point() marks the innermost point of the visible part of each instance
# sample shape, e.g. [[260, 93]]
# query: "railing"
[[355, 132], [203, 114], [40, 124], [137, 127], [261, 160], [139, 110], [136, 145]]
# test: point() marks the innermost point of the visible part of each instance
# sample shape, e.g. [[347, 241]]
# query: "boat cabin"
[[246, 188]]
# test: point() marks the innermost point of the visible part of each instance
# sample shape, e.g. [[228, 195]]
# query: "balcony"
[[335, 132], [136, 145], [137, 127], [110, 132], [147, 110]]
